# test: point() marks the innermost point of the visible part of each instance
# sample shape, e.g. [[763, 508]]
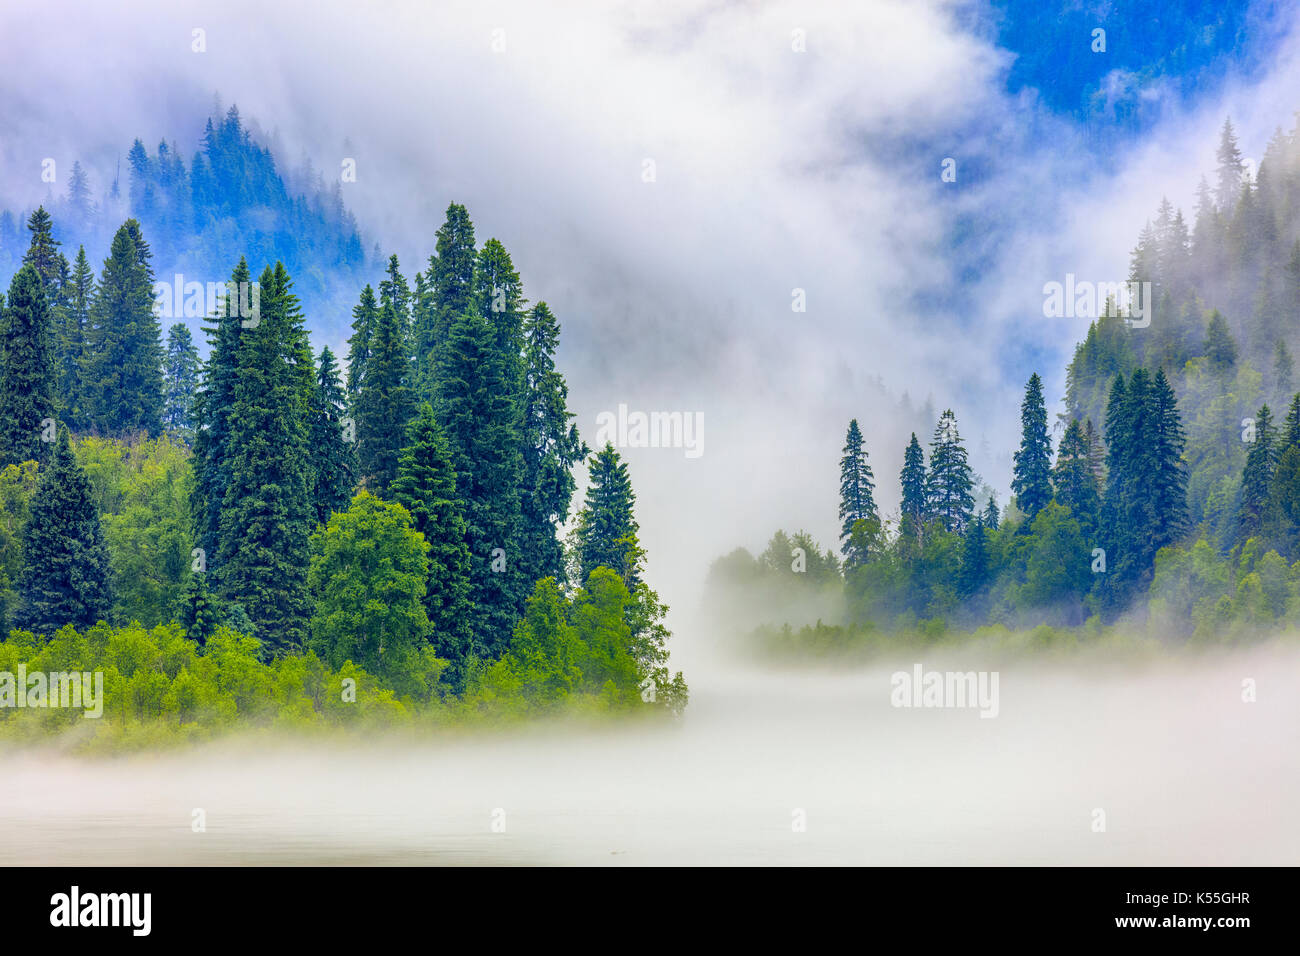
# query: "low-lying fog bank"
[[1184, 770]]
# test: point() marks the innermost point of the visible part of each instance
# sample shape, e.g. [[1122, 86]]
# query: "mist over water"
[[1186, 772]]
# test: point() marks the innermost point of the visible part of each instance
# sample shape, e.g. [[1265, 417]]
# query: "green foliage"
[[385, 402], [26, 370], [333, 461], [368, 573], [65, 574], [180, 381], [122, 377], [606, 520], [426, 487], [857, 501], [1032, 482]]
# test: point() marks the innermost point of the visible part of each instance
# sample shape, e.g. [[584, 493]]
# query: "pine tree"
[[1231, 168], [1076, 482], [26, 370], [333, 459], [477, 412], [266, 517], [1169, 485], [123, 373], [65, 577], [551, 447], [71, 346], [607, 522], [1032, 482], [1220, 348], [1283, 370], [1290, 436], [974, 572], [1257, 476], [213, 405], [499, 298], [180, 381], [912, 479], [43, 254], [385, 403], [365, 319], [948, 484], [990, 516], [426, 487], [450, 284], [198, 612], [857, 501]]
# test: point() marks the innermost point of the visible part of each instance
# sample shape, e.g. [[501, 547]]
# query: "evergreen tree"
[[65, 576], [476, 410], [606, 523], [551, 447], [266, 517], [1169, 483], [1220, 348], [123, 373], [180, 381], [990, 516], [426, 487], [365, 319], [213, 405], [43, 255], [1032, 482], [451, 293], [385, 403], [912, 479], [1291, 426], [499, 298], [26, 370], [198, 612], [974, 572], [1257, 476], [1231, 168], [1283, 370], [857, 501], [71, 344], [948, 484], [1076, 482], [333, 460]]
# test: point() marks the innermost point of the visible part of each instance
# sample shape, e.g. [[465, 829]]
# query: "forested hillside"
[[230, 539], [230, 198], [1166, 494]]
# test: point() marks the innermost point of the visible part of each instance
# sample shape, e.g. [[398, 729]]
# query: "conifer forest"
[[636, 434]]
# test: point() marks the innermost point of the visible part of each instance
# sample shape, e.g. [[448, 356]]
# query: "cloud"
[[775, 170]]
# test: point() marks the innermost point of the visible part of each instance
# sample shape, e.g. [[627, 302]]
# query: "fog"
[[776, 170], [1185, 771]]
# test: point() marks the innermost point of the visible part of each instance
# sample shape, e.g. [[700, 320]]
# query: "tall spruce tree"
[[333, 457], [1032, 480], [385, 404], [857, 492], [948, 484], [198, 612], [123, 373], [365, 319], [1220, 348], [65, 577], [551, 447], [607, 523], [266, 515], [1076, 483], [71, 346], [1257, 476], [450, 288], [426, 487], [476, 410], [26, 371], [1169, 486], [180, 381], [213, 405], [912, 478]]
